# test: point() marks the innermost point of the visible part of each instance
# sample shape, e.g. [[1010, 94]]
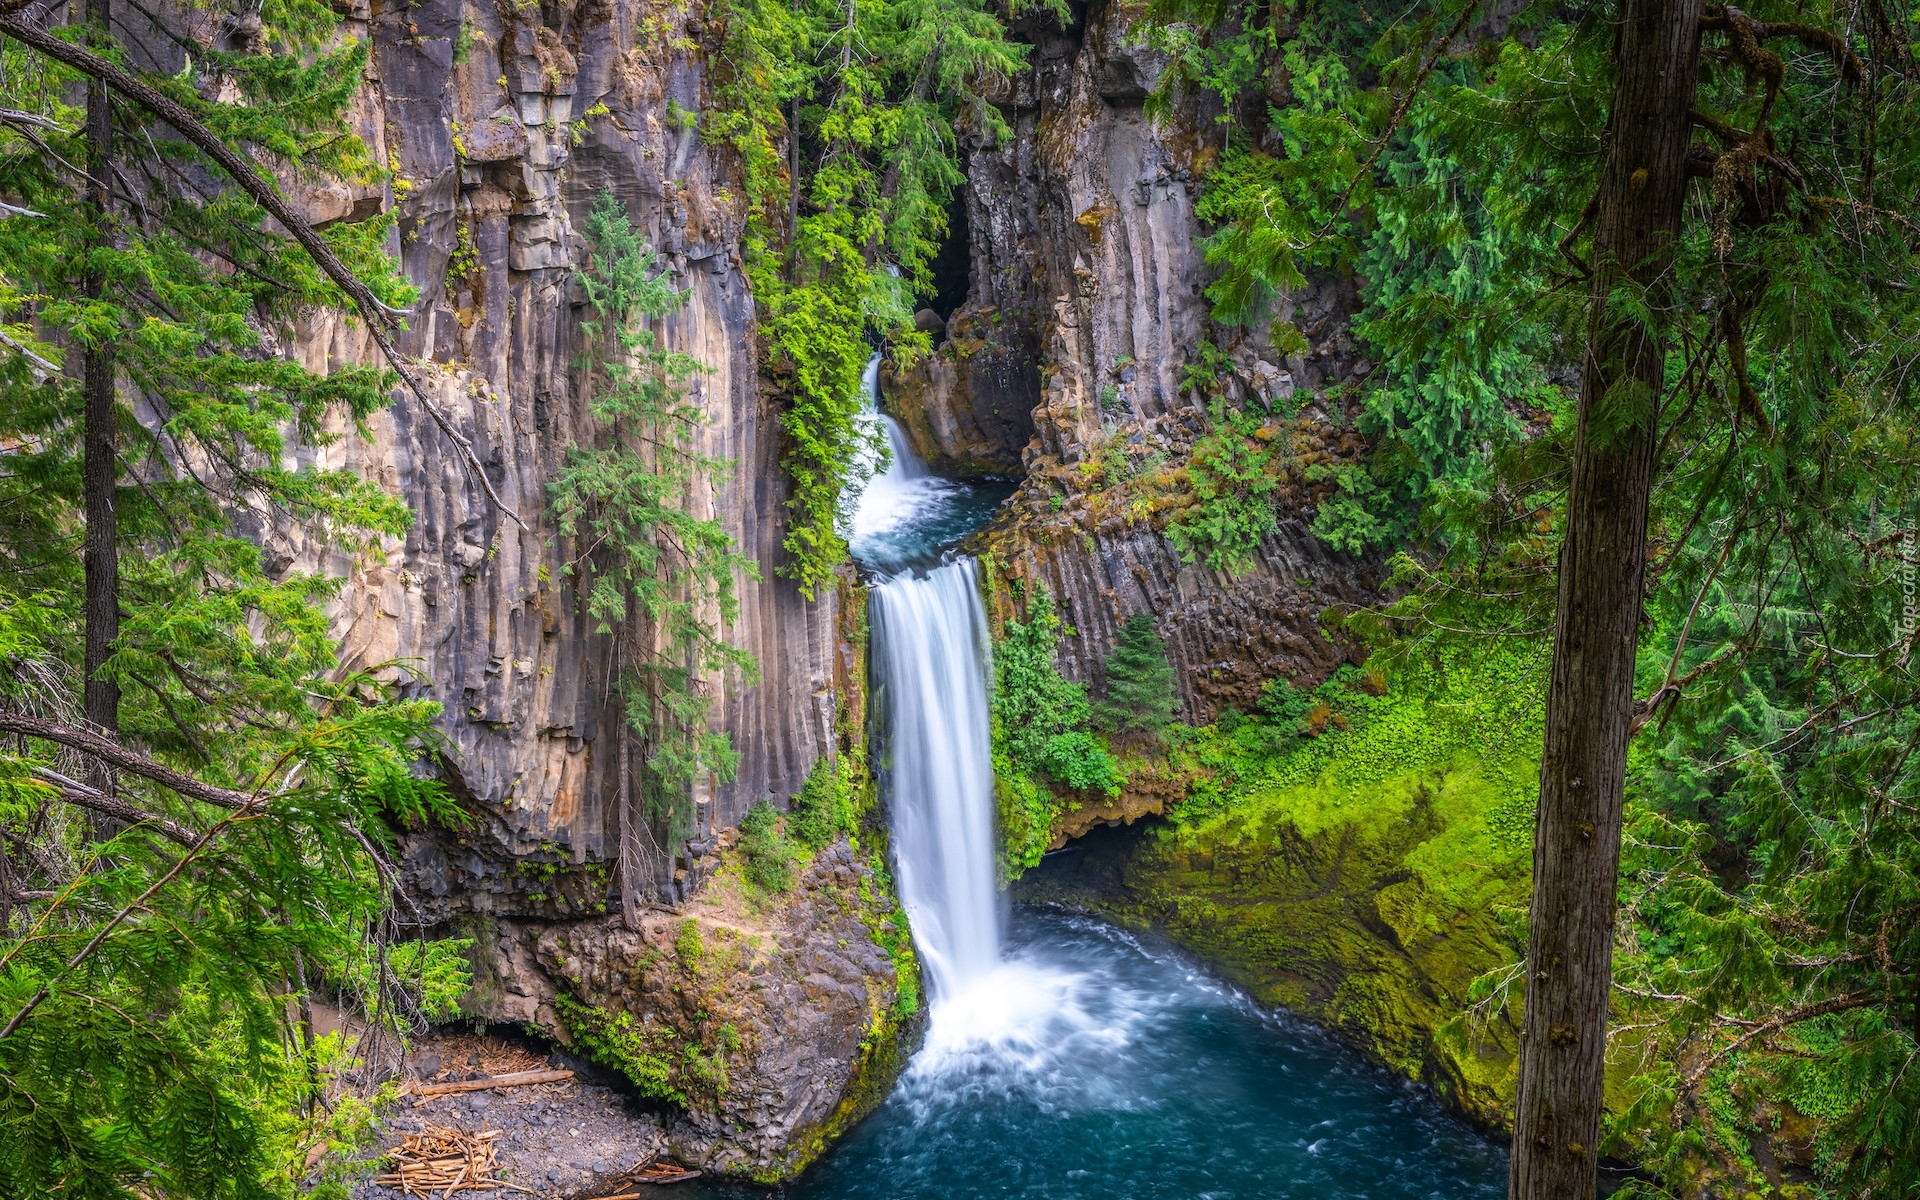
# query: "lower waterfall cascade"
[[1064, 1058]]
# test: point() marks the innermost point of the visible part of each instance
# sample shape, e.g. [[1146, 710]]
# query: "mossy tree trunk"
[[1590, 705]]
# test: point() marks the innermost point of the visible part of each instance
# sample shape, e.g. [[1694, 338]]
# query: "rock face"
[[771, 1027], [1087, 268], [503, 126], [481, 112]]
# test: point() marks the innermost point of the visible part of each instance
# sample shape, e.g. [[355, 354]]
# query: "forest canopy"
[[1458, 160]]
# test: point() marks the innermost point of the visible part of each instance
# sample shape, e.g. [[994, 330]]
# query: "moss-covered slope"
[[1360, 854]]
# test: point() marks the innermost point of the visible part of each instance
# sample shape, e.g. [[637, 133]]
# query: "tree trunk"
[[630, 818], [101, 556], [1576, 855]]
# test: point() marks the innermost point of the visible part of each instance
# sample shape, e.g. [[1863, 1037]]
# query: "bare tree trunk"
[[1576, 854], [101, 556], [630, 819]]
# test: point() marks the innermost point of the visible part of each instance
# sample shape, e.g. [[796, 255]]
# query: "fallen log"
[[511, 1079]]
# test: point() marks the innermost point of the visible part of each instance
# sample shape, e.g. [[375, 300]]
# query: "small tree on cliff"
[[662, 576], [1140, 697]]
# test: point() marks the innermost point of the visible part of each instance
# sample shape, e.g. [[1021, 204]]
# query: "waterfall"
[[888, 499], [906, 464], [930, 651]]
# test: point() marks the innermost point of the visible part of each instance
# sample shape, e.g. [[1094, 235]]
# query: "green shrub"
[[1082, 762], [1040, 732], [767, 858], [435, 975], [688, 944], [644, 1054], [823, 809]]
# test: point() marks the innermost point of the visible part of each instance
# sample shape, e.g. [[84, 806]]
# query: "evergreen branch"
[[85, 952], [1805, 1012], [379, 317], [29, 355], [127, 760], [81, 796]]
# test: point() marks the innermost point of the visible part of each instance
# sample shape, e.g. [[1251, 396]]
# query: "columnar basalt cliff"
[[1087, 306], [502, 125]]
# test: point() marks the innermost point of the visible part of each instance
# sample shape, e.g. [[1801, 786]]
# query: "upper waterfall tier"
[[903, 516]]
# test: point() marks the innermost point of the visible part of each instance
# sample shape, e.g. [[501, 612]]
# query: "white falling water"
[[894, 520], [994, 1020], [930, 652]]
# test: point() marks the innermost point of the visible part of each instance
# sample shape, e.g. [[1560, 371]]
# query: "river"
[[1067, 1059]]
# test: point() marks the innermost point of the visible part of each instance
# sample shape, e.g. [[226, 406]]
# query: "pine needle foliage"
[[1140, 695], [157, 969], [659, 573]]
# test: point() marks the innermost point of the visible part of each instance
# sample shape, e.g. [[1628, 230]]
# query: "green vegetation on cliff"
[[659, 577], [1139, 694], [1041, 737], [844, 117]]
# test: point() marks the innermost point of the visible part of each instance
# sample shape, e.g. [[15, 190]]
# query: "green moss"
[[649, 1056], [1356, 853]]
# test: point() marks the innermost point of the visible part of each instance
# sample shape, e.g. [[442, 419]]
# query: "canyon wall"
[[1089, 263], [1087, 305], [503, 125]]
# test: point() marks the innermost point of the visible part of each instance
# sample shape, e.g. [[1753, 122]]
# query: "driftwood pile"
[[443, 1160], [655, 1172]]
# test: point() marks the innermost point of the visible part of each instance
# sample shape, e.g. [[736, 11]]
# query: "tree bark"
[[100, 700], [1576, 855], [630, 818]]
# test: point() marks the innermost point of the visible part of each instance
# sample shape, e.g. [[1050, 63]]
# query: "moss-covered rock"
[[763, 1025], [1366, 865]]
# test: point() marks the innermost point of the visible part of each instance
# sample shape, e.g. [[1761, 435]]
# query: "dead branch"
[[123, 758]]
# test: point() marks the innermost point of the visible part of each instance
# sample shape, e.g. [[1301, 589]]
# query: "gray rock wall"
[[1087, 259], [503, 124]]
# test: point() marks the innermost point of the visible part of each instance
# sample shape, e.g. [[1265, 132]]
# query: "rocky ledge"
[[761, 1027]]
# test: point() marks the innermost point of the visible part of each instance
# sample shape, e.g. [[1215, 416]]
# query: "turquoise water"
[[1064, 1058], [1103, 1067]]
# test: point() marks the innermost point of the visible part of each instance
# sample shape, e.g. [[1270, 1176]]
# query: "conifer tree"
[[662, 577], [1140, 696], [196, 803]]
